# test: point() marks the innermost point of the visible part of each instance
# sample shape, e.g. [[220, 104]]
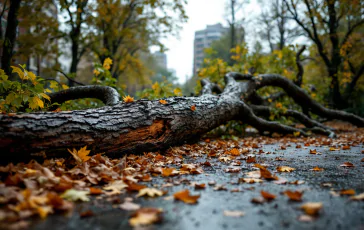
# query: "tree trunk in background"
[[10, 36]]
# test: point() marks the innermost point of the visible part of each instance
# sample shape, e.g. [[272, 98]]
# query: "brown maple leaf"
[[294, 195], [268, 196], [185, 196], [80, 155]]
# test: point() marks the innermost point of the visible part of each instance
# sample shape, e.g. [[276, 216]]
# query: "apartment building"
[[203, 39]]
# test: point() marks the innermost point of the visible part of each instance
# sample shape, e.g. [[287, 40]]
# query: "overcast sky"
[[200, 13]]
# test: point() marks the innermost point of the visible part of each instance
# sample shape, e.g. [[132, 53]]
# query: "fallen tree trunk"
[[142, 125]]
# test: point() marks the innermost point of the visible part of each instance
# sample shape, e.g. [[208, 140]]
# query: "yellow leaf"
[[35, 102], [43, 211], [151, 192], [80, 155], [53, 85], [177, 92], [32, 77], [19, 72], [64, 86], [45, 96], [75, 195]]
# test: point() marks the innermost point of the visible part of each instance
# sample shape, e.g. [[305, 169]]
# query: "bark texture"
[[145, 125]]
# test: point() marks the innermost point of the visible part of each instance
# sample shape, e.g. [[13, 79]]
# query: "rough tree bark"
[[145, 125]]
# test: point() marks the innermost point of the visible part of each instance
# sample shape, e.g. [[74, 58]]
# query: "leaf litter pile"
[[55, 186]]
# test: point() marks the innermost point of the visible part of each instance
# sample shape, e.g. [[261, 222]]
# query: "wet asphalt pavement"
[[338, 212]]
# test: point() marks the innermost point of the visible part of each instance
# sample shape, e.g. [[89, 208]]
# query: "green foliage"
[[160, 90], [28, 94]]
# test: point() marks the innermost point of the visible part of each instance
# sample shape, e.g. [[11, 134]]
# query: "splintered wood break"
[[154, 131]]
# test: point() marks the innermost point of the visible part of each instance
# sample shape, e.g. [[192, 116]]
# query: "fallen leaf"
[[358, 197], [76, 195], [224, 159], [232, 170], [327, 184], [347, 192], [268, 196], [306, 218], [43, 211], [362, 160], [193, 107], [253, 174], [346, 147], [347, 164], [150, 192], [334, 149], [129, 206], [116, 187], [80, 155], [294, 195], [164, 102], [313, 151], [317, 169], [220, 187], [185, 196], [285, 169], [95, 191], [234, 152], [135, 187], [211, 183], [264, 173], [200, 186], [281, 181], [312, 208], [146, 216], [250, 159], [234, 213], [128, 99], [87, 213], [258, 200], [250, 180], [169, 172]]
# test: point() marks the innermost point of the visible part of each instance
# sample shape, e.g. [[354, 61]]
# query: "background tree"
[[332, 26], [127, 29], [8, 43], [236, 30], [77, 18], [277, 30], [38, 39]]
